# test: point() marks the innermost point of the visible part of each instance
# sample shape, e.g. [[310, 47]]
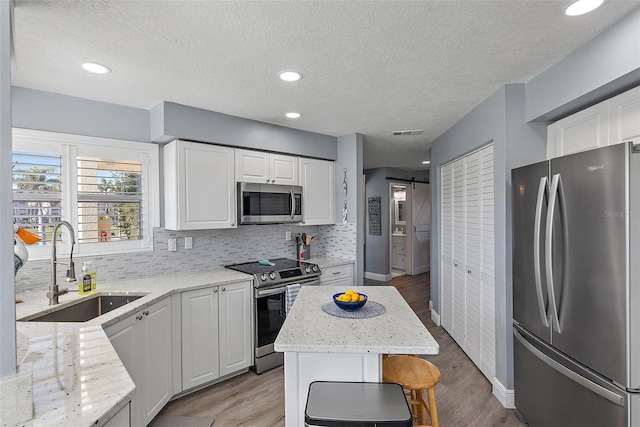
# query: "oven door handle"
[[267, 292]]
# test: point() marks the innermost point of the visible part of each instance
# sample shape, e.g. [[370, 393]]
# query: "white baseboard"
[[434, 314], [422, 269], [377, 276], [504, 396]]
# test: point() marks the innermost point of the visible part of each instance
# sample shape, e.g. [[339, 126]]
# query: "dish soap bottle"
[[88, 284]]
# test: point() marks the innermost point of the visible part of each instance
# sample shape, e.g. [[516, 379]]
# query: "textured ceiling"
[[369, 67]]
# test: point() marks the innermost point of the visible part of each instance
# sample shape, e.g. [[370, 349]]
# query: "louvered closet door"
[[487, 265], [467, 239], [473, 236], [446, 246], [459, 304]]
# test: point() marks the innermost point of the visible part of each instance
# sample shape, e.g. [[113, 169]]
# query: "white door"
[[199, 337], [252, 166], [318, 194], [584, 130], [459, 300], [420, 227], [446, 246], [235, 327], [156, 361], [283, 169], [624, 113]]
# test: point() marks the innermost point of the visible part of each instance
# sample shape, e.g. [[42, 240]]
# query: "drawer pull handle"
[[337, 272]]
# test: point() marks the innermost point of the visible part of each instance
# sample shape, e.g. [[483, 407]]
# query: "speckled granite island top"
[[398, 331]]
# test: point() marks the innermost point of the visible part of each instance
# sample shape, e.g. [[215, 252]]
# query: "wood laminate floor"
[[463, 395]]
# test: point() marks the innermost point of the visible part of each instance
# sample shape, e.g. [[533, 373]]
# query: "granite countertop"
[[398, 331], [89, 384], [69, 375], [327, 261]]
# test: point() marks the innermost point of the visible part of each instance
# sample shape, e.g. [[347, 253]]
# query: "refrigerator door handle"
[[553, 197], [542, 191], [584, 382]]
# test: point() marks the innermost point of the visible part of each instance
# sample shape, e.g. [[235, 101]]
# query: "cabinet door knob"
[[215, 291], [267, 180], [273, 180], [146, 312], [139, 317], [224, 289]]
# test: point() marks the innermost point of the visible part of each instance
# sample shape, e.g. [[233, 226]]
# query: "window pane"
[[109, 200], [37, 192]]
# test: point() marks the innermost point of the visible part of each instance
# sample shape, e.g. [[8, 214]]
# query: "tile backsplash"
[[211, 248]]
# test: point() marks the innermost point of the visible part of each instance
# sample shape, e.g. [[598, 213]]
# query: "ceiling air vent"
[[407, 132]]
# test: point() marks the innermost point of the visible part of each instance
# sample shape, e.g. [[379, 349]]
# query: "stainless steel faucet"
[[54, 292]]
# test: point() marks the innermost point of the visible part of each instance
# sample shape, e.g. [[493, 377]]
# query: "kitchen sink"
[[85, 309]]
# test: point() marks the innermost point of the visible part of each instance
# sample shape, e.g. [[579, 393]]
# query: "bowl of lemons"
[[350, 300]]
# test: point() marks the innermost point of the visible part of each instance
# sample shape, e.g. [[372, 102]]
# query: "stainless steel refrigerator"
[[576, 289]]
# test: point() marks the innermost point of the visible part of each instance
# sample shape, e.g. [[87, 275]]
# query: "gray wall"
[[376, 254], [38, 110], [170, 121], [350, 158], [499, 119], [606, 65], [7, 286]]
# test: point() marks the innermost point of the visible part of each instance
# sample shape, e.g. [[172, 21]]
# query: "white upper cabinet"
[[318, 206], [199, 187], [581, 131], [266, 168], [624, 111], [612, 121]]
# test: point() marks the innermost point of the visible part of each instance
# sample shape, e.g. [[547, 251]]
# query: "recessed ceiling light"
[[92, 67], [580, 7], [426, 162], [290, 76], [293, 115]]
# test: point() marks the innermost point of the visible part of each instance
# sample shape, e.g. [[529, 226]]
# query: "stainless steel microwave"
[[269, 203]]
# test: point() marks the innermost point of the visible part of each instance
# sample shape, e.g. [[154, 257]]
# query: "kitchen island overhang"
[[321, 347]]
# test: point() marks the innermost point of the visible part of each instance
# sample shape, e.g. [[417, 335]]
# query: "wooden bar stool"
[[414, 375]]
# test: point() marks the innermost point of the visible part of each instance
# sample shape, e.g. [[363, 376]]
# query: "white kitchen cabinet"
[[581, 131], [121, 419], [338, 275], [611, 121], [624, 112], [235, 327], [199, 186], [200, 360], [318, 193], [216, 332], [143, 343], [266, 168], [467, 305]]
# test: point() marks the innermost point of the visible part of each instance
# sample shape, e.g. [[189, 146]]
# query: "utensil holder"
[[303, 251]]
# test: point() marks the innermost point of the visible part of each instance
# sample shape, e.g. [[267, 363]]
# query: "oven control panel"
[[288, 274]]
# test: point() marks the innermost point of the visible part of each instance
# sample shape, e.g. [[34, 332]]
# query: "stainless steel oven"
[[270, 313], [270, 302]]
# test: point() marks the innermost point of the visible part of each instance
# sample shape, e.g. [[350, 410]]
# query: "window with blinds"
[[37, 192], [109, 200], [106, 189]]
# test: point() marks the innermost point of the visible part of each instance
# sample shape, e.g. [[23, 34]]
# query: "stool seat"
[[415, 375], [411, 372]]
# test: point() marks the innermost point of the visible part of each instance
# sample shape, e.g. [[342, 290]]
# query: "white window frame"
[[69, 147]]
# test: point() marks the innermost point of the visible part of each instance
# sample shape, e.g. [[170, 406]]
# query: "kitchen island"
[[321, 347]]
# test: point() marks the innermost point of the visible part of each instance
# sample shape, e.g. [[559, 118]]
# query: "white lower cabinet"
[[216, 332], [121, 419], [143, 343], [338, 275]]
